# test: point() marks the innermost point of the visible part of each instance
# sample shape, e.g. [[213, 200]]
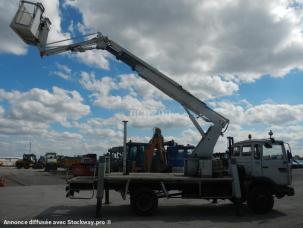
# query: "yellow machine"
[[28, 160], [156, 144]]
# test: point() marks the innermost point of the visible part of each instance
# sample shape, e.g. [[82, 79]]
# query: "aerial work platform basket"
[[30, 24]]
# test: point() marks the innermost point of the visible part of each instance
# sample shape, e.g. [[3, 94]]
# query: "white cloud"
[[209, 47], [204, 41], [9, 126], [9, 41], [99, 127], [63, 71], [150, 120], [30, 116], [42, 106], [101, 92], [139, 87], [93, 58], [63, 136], [269, 114], [276, 114], [209, 87], [52, 11]]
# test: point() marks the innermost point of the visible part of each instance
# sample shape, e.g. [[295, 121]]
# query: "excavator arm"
[[156, 143]]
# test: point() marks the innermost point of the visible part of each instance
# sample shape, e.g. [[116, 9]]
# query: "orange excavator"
[[156, 144]]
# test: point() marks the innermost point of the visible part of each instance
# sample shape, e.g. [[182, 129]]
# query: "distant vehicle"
[[40, 164], [68, 162], [297, 164], [51, 161], [8, 161], [175, 153], [28, 160], [60, 159], [86, 167]]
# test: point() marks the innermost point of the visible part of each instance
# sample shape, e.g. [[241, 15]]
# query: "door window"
[[133, 153], [257, 151], [236, 151], [272, 152], [246, 151]]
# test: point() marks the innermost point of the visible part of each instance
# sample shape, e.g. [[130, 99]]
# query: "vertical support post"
[[124, 148], [230, 144], [107, 162], [106, 196], [107, 170], [236, 185], [100, 186]]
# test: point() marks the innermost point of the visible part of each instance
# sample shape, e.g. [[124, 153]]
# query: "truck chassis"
[[145, 189]]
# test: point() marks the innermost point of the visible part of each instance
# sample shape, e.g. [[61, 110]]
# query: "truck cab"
[[263, 164]]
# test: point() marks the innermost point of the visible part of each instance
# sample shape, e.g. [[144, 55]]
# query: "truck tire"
[[260, 200], [144, 201]]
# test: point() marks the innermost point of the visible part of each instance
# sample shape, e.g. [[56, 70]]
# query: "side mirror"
[[257, 155], [289, 155]]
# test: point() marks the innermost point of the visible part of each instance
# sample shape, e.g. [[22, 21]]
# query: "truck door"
[[257, 161], [246, 158], [274, 163]]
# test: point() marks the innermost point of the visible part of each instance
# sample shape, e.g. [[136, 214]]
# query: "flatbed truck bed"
[[117, 177], [146, 188], [157, 181]]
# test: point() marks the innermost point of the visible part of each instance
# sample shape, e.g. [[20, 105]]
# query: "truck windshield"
[[273, 153]]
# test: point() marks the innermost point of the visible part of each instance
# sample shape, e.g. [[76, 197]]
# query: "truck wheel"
[[144, 201], [260, 200]]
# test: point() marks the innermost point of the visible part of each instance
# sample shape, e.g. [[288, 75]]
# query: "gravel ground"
[[37, 195]]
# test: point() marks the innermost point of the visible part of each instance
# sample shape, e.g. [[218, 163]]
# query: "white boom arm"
[[33, 28], [191, 103]]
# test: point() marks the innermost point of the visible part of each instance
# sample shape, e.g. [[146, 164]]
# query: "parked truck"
[[27, 161], [255, 171]]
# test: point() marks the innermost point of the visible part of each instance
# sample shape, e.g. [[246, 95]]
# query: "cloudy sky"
[[243, 58]]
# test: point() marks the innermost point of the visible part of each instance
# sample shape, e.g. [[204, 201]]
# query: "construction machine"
[[51, 161], [28, 161], [175, 155], [265, 170], [156, 144], [86, 166], [40, 164], [68, 162]]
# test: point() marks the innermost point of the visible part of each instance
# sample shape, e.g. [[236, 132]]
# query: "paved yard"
[[36, 195]]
